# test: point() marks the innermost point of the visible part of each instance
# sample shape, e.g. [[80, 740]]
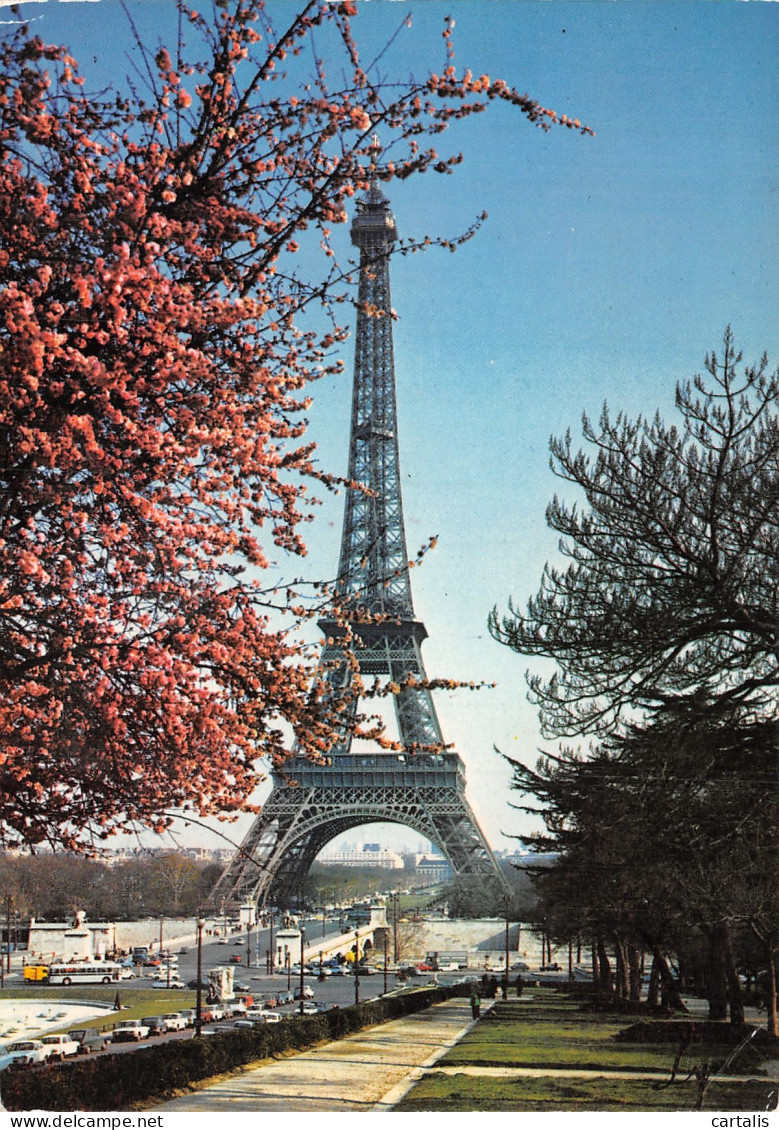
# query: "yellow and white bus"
[[83, 973]]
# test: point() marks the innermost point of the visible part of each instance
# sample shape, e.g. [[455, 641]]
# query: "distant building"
[[369, 855], [434, 868]]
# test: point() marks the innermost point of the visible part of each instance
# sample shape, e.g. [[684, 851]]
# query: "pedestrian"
[[475, 1006], [520, 986]]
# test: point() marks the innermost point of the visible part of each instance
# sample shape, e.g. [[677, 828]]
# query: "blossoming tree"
[[154, 362]]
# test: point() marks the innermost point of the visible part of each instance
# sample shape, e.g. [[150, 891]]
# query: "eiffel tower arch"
[[422, 787]]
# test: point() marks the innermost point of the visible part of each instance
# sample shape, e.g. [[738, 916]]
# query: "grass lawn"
[[136, 1002], [552, 1033], [462, 1092], [546, 1030]]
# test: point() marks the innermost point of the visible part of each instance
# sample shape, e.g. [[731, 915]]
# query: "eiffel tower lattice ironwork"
[[422, 790]]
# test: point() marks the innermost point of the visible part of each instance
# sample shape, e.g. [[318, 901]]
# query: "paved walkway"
[[369, 1070]]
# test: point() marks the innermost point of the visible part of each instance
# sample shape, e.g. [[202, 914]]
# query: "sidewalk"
[[366, 1071]]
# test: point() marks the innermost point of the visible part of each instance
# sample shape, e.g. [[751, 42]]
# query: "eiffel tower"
[[423, 786]]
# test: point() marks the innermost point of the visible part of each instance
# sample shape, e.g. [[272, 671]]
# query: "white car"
[[174, 1022], [130, 1030], [270, 1017], [22, 1053], [57, 1047], [162, 983]]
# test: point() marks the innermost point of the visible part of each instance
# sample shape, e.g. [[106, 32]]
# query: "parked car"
[[235, 958], [309, 1009], [236, 1008], [224, 942], [203, 984], [307, 994], [238, 987], [155, 1024], [130, 1030], [212, 1012], [270, 1018], [363, 970], [521, 966], [60, 1046], [162, 983], [89, 1039], [338, 971], [23, 1053], [188, 1016]]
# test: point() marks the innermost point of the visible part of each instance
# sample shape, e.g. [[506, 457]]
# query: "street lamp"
[[506, 970], [302, 974], [356, 967], [395, 912], [199, 1005], [248, 945]]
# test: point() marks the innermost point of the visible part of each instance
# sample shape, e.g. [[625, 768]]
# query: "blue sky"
[[608, 267]]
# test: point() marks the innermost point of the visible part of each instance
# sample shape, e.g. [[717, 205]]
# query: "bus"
[[84, 973]]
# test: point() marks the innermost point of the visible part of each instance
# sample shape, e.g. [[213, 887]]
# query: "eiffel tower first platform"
[[423, 786]]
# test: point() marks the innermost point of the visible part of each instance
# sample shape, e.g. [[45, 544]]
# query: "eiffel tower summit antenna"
[[423, 785]]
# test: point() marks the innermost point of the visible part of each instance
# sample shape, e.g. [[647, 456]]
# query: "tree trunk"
[[595, 963], [634, 972], [604, 967], [621, 975], [771, 1024], [669, 993], [653, 990], [768, 938], [735, 999], [715, 973]]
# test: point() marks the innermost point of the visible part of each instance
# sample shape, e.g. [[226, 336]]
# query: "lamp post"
[[272, 968], [506, 969], [199, 1004], [302, 970], [288, 963], [386, 948], [395, 910], [248, 945], [356, 967]]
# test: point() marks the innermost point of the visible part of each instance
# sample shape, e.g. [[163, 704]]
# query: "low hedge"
[[124, 1080]]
